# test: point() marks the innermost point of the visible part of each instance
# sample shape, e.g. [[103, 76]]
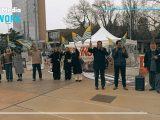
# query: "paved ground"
[[69, 96]]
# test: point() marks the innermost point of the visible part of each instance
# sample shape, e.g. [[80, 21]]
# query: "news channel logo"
[[8, 15]]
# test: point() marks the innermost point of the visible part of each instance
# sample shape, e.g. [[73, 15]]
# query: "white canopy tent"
[[101, 35]]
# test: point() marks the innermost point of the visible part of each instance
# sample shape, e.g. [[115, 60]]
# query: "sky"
[[56, 10]]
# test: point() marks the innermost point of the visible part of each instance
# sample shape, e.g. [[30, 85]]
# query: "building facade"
[[33, 19]]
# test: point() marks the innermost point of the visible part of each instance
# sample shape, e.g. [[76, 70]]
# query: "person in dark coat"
[[55, 60], [150, 64], [76, 63], [67, 64], [99, 64], [157, 80], [1, 68], [119, 55]]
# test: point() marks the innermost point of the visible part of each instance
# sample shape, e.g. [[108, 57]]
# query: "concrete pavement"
[[70, 96]]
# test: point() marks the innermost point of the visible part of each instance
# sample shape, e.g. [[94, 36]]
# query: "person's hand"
[[116, 48], [123, 49], [155, 57]]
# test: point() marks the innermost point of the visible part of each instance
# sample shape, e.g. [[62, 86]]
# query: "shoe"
[[151, 89], [103, 88], [115, 88], [18, 79], [0, 81], [40, 79], [76, 80], [97, 88], [34, 79], [158, 91], [79, 80], [125, 88]]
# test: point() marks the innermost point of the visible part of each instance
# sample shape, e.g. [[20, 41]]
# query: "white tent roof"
[[102, 34]]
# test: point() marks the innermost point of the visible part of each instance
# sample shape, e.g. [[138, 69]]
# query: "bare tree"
[[103, 15], [79, 15]]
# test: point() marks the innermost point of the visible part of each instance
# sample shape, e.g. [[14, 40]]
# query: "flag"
[[125, 35], [8, 38], [25, 43], [62, 40], [124, 38], [46, 37], [110, 41], [87, 34], [76, 37]]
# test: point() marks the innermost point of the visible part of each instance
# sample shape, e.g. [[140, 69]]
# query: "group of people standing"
[[119, 55], [72, 63], [71, 59], [9, 59]]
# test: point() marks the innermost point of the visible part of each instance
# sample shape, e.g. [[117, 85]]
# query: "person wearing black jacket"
[[99, 64], [150, 63], [55, 60], [119, 55], [76, 64], [67, 64]]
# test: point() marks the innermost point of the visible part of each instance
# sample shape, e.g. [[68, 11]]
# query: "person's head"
[[55, 49], [119, 43], [67, 49], [153, 45], [99, 44], [74, 49], [34, 47], [8, 50]]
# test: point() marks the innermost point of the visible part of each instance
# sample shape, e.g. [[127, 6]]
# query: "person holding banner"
[[99, 64], [36, 61], [150, 59], [119, 55], [76, 63], [67, 64]]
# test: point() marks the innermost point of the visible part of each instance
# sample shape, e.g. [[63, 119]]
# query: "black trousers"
[[68, 73], [37, 67], [98, 71], [0, 77], [122, 69], [56, 71], [152, 78]]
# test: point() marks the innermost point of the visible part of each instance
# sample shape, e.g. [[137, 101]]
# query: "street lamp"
[[27, 17], [130, 20], [7, 23], [36, 22]]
